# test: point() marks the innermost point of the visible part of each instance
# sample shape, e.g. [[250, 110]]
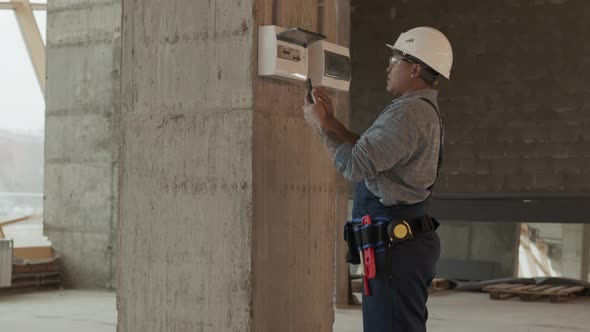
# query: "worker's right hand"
[[321, 113], [321, 96]]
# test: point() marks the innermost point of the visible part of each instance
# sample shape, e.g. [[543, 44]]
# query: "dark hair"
[[428, 74]]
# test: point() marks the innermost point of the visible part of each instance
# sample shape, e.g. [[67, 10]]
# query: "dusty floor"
[[94, 311], [468, 312]]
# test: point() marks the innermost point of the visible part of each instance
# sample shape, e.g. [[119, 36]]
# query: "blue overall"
[[400, 289]]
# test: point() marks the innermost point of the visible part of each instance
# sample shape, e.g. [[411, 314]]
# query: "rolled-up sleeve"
[[388, 142]]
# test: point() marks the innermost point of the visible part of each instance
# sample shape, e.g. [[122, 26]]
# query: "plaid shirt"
[[397, 156]]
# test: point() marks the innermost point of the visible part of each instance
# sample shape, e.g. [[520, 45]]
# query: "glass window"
[[21, 102]]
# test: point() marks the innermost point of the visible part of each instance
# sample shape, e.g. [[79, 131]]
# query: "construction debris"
[[439, 284], [29, 260], [555, 292]]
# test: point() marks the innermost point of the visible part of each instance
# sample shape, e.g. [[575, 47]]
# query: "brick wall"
[[517, 110]]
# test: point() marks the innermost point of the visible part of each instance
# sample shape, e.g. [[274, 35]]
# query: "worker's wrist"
[[332, 125]]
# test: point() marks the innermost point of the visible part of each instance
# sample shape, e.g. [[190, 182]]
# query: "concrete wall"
[[81, 162], [516, 109], [227, 201]]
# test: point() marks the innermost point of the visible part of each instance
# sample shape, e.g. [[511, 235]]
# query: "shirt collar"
[[431, 94]]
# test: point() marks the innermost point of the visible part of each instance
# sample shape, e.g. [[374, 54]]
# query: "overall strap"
[[440, 150]]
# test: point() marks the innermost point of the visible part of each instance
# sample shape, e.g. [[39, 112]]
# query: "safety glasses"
[[395, 59]]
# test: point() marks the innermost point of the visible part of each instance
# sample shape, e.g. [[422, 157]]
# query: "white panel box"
[[279, 58], [329, 65]]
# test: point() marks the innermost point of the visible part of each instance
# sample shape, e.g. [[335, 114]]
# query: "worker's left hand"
[[321, 113]]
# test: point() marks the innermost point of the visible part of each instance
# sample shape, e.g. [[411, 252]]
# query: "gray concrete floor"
[[468, 312], [58, 311], [94, 311]]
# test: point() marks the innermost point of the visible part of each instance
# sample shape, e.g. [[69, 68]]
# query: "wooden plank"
[[566, 294], [14, 221], [569, 290], [556, 293], [500, 295], [52, 266], [502, 291], [527, 297], [501, 286], [37, 283], [41, 275], [521, 288], [32, 37], [524, 292], [554, 290], [540, 288], [14, 5]]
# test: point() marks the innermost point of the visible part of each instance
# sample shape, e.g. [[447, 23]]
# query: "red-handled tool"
[[369, 255], [365, 279]]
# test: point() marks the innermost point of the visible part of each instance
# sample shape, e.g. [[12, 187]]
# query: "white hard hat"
[[429, 46]]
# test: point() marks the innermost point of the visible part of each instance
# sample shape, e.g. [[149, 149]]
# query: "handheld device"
[[309, 88]]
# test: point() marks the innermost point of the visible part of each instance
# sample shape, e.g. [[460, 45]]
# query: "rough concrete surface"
[[185, 214], [82, 110], [226, 195]]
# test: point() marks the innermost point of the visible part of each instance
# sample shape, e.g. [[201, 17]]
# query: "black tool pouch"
[[352, 256]]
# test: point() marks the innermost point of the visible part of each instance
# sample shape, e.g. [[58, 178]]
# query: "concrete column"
[[82, 111], [571, 256], [227, 200]]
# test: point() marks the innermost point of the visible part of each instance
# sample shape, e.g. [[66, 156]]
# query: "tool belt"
[[382, 234]]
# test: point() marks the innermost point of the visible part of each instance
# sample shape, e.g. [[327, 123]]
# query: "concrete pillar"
[[571, 255], [227, 199], [82, 111]]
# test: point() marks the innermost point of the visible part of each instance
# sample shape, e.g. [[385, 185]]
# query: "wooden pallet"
[[49, 266], [36, 279], [555, 293]]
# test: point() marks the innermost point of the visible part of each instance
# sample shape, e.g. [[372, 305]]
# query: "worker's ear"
[[416, 69]]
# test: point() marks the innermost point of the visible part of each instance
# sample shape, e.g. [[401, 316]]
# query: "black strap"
[[440, 150], [378, 234]]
